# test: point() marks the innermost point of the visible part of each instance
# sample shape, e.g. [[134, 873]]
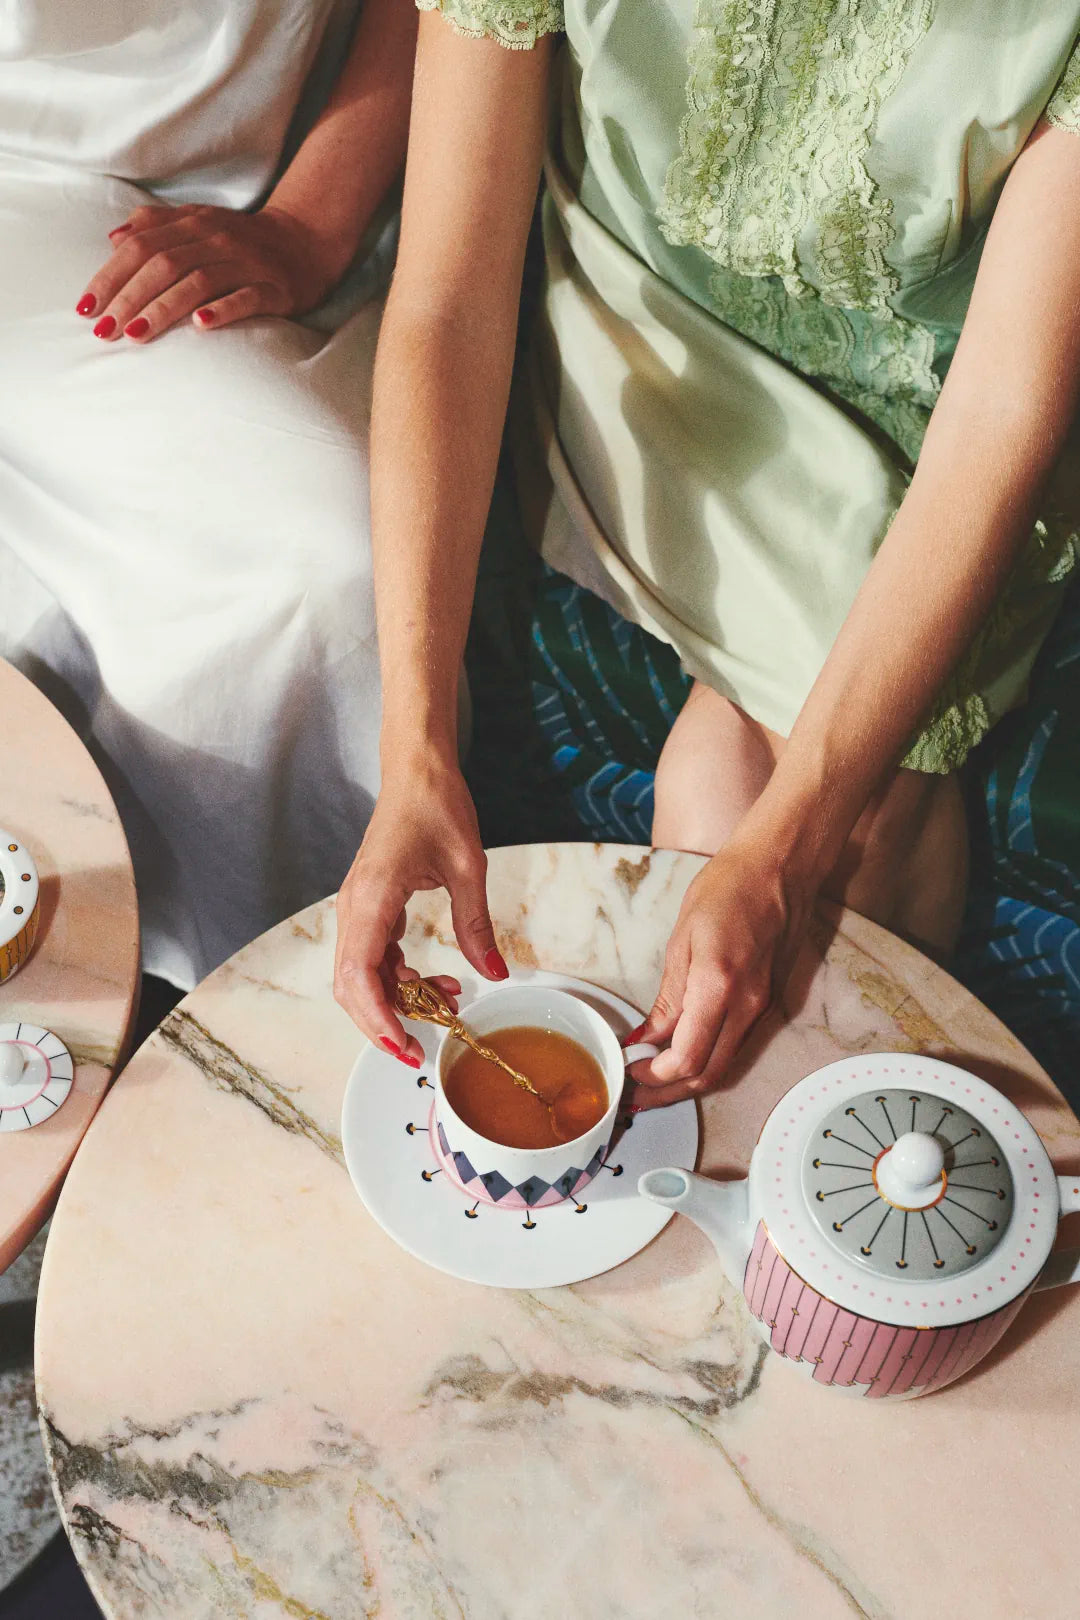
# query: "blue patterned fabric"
[[605, 696], [1021, 946]]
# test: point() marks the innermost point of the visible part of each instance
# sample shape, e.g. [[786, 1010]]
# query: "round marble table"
[[80, 982], [257, 1405]]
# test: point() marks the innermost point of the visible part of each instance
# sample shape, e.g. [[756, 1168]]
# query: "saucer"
[[393, 1160]]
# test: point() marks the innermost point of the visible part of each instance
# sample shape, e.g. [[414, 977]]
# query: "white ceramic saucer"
[[384, 1132]]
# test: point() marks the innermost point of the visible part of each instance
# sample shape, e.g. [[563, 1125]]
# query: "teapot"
[[897, 1213]]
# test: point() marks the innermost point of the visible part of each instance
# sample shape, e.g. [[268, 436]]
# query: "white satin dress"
[[185, 559]]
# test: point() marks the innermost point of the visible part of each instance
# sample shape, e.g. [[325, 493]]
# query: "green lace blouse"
[[818, 176]]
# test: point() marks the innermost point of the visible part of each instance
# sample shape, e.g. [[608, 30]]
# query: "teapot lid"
[[905, 1189], [901, 1180], [36, 1075]]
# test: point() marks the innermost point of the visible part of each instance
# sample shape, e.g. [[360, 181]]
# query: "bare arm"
[[997, 429], [442, 377], [354, 152], [169, 263]]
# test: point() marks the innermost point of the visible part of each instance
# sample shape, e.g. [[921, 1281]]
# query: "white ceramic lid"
[[19, 887], [36, 1075], [905, 1189]]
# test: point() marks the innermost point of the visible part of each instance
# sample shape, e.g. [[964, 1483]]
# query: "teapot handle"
[[1063, 1266]]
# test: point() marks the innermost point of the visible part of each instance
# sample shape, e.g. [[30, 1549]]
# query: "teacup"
[[530, 1178]]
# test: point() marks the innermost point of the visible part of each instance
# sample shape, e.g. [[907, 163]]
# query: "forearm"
[[356, 149], [442, 373], [994, 436], [441, 386]]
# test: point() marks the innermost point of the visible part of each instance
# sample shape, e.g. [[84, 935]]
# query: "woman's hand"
[[738, 932], [423, 835], [214, 265]]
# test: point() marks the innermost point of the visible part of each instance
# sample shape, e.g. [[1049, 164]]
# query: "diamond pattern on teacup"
[[534, 1193]]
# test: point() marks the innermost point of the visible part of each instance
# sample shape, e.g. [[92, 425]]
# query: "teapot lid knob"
[[910, 1175], [12, 1063]]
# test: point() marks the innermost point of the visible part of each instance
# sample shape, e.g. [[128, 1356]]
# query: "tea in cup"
[[502, 1144]]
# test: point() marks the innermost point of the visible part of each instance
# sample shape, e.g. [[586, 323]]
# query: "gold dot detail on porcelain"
[[907, 1185]]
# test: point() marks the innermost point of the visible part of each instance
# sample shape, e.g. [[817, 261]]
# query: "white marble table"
[[256, 1405], [80, 982]]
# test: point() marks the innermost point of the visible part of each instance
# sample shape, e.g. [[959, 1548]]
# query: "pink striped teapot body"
[[897, 1214]]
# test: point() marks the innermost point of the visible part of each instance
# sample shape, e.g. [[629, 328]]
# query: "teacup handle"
[[638, 1052]]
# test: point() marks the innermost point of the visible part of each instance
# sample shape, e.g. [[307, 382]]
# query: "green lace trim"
[[880, 365], [771, 178], [961, 718], [1064, 105], [771, 182], [517, 24]]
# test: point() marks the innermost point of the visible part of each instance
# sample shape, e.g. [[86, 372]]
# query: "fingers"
[[172, 265], [364, 934], [472, 920], [663, 1017], [707, 1038], [168, 288], [261, 299], [153, 214], [393, 970], [702, 1016], [643, 1096], [745, 1008], [189, 297], [129, 256]]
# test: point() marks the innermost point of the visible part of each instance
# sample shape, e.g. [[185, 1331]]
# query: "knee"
[[713, 766], [911, 810]]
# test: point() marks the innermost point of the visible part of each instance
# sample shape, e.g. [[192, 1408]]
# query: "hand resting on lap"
[[212, 265]]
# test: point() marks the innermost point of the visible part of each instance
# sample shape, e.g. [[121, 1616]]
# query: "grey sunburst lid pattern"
[[951, 1228], [784, 1183]]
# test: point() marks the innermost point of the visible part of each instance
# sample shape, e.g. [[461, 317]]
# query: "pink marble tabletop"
[[81, 979], [255, 1404]]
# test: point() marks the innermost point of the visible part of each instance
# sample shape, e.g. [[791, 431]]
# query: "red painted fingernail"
[[636, 1034], [391, 1046], [119, 231], [636, 1108], [105, 327], [86, 305], [138, 327], [414, 1063], [495, 965], [206, 316]]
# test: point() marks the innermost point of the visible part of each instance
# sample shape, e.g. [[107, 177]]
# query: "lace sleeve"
[[1063, 108], [517, 24]]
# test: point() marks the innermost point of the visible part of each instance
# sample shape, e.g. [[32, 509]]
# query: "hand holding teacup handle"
[[639, 1052]]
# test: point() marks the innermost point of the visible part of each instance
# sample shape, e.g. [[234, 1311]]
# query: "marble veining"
[[256, 1405], [28, 1516], [218, 1064]]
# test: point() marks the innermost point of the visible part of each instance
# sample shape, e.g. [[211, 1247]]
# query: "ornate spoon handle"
[[418, 999]]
